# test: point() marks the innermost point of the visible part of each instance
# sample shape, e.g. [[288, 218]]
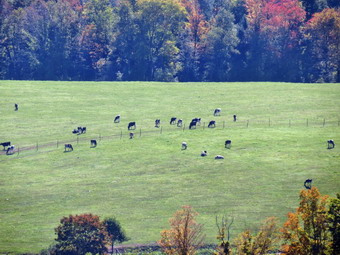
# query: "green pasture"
[[278, 142]]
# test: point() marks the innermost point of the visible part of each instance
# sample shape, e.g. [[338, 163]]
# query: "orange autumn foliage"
[[305, 231]]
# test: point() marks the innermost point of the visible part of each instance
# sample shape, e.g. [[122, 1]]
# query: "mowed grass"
[[143, 181]]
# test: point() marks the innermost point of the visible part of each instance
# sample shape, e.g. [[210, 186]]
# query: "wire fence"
[[139, 132]]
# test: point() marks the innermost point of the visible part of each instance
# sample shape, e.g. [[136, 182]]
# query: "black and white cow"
[[204, 153], [212, 124], [192, 124], [179, 123], [173, 121], [227, 144], [131, 135], [132, 125], [197, 120], [331, 144], [157, 123], [184, 145], [68, 147], [10, 150], [117, 119], [219, 157], [93, 143], [308, 183], [5, 144], [217, 112]]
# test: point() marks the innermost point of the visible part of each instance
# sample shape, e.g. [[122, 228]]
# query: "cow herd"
[[10, 149]]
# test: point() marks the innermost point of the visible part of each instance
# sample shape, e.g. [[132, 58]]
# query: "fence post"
[[57, 143], [18, 150], [223, 124], [203, 125], [324, 121], [161, 130], [307, 122], [269, 122], [247, 123], [77, 139], [100, 137], [121, 134], [183, 127], [289, 123], [37, 146], [140, 132]]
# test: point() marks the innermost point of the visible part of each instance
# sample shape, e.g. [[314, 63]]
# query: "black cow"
[[117, 119], [217, 111], [331, 144], [308, 183], [5, 144], [68, 147], [93, 143], [212, 124], [179, 123], [173, 121], [235, 117], [227, 144], [157, 123], [16, 107], [131, 135], [132, 124], [192, 124]]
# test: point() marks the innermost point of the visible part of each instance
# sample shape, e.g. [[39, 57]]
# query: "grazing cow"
[[93, 143], [308, 183], [75, 131], [179, 123], [5, 144], [212, 124], [131, 135], [204, 153], [10, 150], [132, 124], [16, 107], [219, 157], [331, 144], [227, 144], [157, 123], [117, 119], [235, 117], [68, 147], [173, 121], [184, 145], [197, 120], [192, 124], [217, 112]]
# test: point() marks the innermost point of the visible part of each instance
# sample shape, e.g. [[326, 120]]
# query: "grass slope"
[[145, 180]]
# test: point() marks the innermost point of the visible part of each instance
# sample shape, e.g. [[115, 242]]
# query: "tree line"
[[170, 40], [313, 229]]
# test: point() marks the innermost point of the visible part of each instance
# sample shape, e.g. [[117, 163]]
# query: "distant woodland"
[[170, 40]]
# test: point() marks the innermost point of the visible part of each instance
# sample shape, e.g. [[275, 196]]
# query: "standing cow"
[[132, 125], [217, 112]]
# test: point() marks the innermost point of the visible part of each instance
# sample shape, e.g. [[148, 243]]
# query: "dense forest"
[[170, 40]]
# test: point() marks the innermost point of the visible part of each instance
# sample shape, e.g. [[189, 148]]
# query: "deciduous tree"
[[264, 241], [305, 231], [80, 234], [115, 232], [185, 235]]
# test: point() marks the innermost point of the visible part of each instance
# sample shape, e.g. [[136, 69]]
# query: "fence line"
[[219, 125]]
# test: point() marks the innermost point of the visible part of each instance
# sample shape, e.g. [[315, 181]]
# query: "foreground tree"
[[265, 240], [185, 235], [305, 231], [334, 224], [223, 236], [80, 234], [115, 232]]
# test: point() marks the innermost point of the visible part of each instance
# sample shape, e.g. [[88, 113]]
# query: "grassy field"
[[278, 141]]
